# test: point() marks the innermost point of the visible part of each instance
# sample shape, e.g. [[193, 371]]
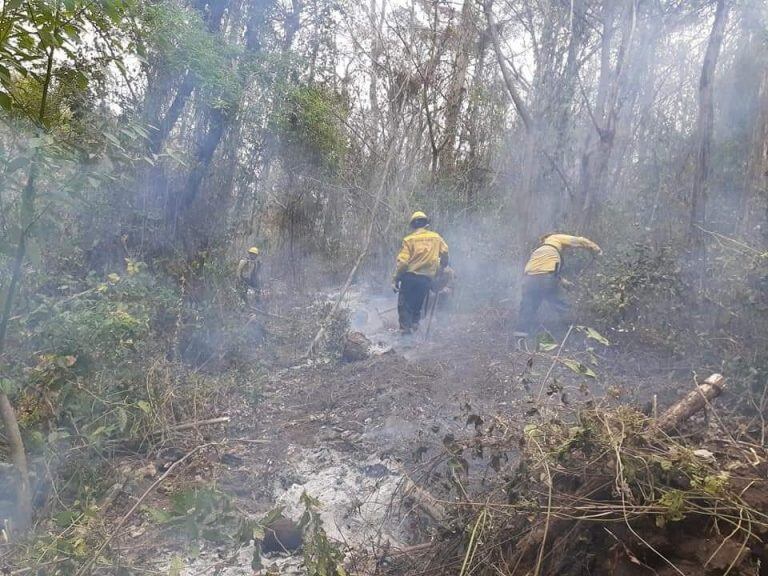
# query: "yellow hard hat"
[[253, 250], [418, 215]]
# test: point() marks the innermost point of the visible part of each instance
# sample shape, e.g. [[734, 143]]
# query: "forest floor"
[[348, 433]]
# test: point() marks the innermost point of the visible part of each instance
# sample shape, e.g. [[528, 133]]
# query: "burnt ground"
[[396, 411]]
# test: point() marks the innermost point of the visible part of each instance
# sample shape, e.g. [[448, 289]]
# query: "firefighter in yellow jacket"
[[542, 281], [248, 271], [423, 255]]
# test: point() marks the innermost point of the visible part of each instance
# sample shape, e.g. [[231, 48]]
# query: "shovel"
[[431, 314]]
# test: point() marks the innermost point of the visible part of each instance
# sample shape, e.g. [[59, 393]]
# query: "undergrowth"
[[603, 479]]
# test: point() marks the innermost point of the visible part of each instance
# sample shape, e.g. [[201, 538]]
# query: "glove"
[[395, 287]]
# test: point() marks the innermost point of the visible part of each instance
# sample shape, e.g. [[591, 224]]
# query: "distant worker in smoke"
[[248, 270], [542, 281], [423, 256]]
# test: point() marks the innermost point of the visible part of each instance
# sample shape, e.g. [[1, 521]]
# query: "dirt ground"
[[348, 433]]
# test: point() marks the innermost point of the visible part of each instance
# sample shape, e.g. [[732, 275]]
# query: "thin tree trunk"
[[597, 157], [756, 193], [373, 86], [159, 136], [529, 167], [753, 23], [292, 24], [517, 99], [705, 127], [476, 178], [7, 412], [457, 89]]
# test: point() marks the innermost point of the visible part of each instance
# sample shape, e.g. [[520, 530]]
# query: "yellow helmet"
[[418, 215], [253, 250]]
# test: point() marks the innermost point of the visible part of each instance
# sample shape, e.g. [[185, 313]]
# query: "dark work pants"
[[537, 289], [249, 293], [413, 292]]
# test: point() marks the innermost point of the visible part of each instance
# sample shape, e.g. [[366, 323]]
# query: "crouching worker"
[[423, 255], [248, 270], [542, 281], [443, 288]]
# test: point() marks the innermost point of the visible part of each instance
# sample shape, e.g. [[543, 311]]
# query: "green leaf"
[[579, 368], [26, 42], [112, 11], [144, 406], [47, 39], [65, 518], [113, 140], [158, 515], [5, 101], [547, 343], [595, 335]]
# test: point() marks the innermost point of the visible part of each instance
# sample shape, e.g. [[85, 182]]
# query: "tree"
[[704, 130], [42, 31]]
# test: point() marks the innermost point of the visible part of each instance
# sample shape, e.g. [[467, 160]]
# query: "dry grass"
[[599, 491]]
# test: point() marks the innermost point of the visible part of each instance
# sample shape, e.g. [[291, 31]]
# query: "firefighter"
[[542, 279], [423, 255], [248, 270]]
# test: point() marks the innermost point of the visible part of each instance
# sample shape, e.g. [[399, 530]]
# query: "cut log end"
[[692, 403]]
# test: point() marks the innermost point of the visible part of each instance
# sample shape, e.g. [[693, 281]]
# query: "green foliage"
[[639, 290], [674, 504], [176, 37], [199, 513], [108, 319], [578, 368], [321, 557], [311, 124], [32, 31]]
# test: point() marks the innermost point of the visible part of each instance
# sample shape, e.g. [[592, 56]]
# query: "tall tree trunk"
[[599, 146], [457, 88], [704, 131], [292, 24], [166, 124], [756, 194], [373, 87], [476, 174], [563, 105], [529, 162], [754, 57]]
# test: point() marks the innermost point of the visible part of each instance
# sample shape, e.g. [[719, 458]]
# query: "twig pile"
[[610, 492]]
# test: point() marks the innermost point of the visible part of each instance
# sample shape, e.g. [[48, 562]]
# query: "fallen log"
[[692, 403]]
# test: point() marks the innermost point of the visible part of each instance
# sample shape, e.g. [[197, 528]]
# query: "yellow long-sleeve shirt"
[[546, 258], [421, 253]]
